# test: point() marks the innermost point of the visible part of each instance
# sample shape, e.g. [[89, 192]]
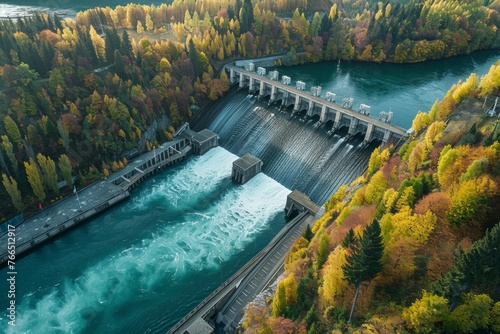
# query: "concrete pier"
[[245, 168], [202, 141], [298, 201]]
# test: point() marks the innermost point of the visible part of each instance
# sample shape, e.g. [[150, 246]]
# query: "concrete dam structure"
[[315, 105]]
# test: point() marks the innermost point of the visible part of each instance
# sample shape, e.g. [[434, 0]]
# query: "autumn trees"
[[435, 268]]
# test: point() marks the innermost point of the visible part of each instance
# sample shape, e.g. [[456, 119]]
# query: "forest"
[[79, 97], [412, 245]]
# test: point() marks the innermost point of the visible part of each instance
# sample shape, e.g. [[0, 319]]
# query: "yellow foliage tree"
[[291, 293], [140, 28], [490, 82], [375, 188], [423, 315], [332, 291], [115, 166], [405, 224], [98, 42], [466, 89], [377, 159], [420, 121]]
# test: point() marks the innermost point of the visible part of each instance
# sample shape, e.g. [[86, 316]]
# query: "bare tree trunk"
[[354, 303]]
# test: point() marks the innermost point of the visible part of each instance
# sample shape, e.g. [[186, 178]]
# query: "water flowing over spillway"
[[294, 153], [182, 233]]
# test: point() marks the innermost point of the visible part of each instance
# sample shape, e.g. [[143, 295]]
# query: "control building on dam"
[[312, 102]]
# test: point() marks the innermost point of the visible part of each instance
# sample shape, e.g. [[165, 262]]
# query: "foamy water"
[[191, 242]]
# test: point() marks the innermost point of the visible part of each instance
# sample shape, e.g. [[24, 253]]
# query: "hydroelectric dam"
[[223, 309], [143, 264]]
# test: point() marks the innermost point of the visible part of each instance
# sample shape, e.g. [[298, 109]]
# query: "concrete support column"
[[232, 76], [338, 119], [242, 80], [262, 88], [296, 106], [285, 98], [323, 114], [353, 125], [387, 136], [251, 83], [369, 133], [310, 109], [273, 94]]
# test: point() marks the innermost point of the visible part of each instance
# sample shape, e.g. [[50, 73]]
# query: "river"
[[142, 265], [14, 8]]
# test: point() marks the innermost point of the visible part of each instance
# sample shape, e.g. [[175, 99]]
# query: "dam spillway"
[[294, 153]]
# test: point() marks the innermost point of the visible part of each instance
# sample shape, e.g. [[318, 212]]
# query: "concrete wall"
[[267, 61]]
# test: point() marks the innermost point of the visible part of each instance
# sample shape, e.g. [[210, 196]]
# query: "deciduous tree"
[[10, 185], [48, 169], [35, 179]]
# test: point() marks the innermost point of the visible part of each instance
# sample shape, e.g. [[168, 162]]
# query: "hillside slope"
[[435, 204]]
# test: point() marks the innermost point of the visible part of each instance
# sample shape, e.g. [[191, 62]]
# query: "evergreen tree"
[[34, 179], [308, 235], [246, 17], [349, 240], [126, 45], [364, 262], [477, 270], [11, 186], [195, 58]]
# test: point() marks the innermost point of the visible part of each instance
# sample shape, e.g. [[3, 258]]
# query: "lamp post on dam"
[[327, 110]]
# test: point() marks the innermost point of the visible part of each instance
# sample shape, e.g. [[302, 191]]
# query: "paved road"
[[259, 278]]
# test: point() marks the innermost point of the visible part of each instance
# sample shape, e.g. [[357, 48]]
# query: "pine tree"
[[34, 179], [349, 240], [11, 186], [246, 17], [307, 234], [364, 262], [126, 45], [477, 270]]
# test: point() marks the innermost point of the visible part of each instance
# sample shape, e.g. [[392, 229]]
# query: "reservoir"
[[142, 265]]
